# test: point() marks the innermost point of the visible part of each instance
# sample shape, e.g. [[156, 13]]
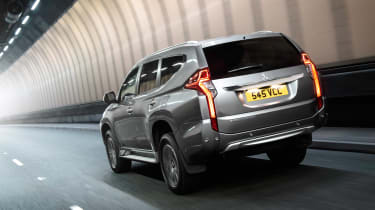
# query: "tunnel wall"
[[91, 48]]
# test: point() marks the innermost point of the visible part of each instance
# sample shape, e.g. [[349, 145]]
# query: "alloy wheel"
[[170, 165], [111, 152]]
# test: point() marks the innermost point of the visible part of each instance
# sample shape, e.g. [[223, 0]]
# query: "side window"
[[170, 66], [129, 86], [148, 76]]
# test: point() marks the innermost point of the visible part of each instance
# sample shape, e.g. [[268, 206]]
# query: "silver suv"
[[187, 104]]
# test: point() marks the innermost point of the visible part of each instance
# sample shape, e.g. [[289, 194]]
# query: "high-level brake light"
[[201, 81], [314, 73]]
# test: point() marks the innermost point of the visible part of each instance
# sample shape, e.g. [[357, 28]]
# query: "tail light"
[[310, 66], [201, 81]]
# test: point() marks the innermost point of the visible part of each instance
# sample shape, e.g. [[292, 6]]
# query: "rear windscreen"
[[250, 56]]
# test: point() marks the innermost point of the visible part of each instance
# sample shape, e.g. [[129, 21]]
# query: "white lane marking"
[[75, 207], [17, 162], [40, 178]]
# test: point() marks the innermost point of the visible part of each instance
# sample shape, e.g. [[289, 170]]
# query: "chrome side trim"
[[140, 158], [267, 138], [139, 154]]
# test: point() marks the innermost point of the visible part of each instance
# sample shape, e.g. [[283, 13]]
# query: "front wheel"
[[174, 173], [118, 164]]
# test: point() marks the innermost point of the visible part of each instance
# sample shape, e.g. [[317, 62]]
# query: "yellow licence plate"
[[264, 93]]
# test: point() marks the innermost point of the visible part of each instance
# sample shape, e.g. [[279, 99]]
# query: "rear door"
[[153, 75], [145, 103], [260, 82]]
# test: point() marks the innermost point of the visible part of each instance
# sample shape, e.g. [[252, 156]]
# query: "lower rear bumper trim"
[[267, 138]]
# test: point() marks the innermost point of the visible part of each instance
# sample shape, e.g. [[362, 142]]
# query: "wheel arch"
[[159, 128], [105, 126]]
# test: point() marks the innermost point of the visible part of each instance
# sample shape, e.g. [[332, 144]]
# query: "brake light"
[[201, 81], [310, 66]]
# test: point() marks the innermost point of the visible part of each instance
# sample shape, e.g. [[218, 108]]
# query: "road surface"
[[44, 168]]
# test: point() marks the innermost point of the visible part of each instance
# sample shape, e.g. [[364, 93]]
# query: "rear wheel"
[[118, 164], [174, 173], [291, 154]]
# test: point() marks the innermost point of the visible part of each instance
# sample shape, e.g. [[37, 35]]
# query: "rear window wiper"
[[257, 66]]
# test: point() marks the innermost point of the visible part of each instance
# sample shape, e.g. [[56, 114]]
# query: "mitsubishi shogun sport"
[[184, 105]]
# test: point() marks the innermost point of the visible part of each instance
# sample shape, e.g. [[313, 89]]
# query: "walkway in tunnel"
[[44, 168]]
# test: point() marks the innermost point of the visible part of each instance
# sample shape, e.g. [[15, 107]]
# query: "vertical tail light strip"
[[201, 81], [314, 73]]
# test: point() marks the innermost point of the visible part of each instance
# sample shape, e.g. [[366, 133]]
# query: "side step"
[[147, 156]]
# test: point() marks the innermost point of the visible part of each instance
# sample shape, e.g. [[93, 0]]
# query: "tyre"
[[172, 167], [288, 155], [117, 163]]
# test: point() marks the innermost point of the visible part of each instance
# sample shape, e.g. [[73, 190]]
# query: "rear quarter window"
[[170, 66], [251, 56]]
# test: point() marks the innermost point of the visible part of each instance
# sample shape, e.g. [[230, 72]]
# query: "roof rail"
[[173, 46], [259, 32]]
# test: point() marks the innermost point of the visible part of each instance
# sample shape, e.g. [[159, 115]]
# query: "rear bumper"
[[213, 143], [231, 142]]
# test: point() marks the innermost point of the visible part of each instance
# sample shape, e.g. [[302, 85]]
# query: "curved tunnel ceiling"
[[44, 16], [89, 50]]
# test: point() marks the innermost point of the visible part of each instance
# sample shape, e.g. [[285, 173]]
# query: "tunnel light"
[[11, 41], [6, 48], [35, 5], [24, 21], [1, 54], [18, 31]]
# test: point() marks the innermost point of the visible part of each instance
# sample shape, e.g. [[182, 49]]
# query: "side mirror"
[[109, 97]]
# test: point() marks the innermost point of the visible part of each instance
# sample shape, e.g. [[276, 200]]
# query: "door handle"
[[152, 103], [130, 110]]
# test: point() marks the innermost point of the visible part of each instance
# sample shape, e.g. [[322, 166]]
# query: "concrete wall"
[[91, 48]]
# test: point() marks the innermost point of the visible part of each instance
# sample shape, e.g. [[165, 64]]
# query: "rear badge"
[[264, 77]]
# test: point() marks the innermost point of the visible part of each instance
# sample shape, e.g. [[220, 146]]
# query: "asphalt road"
[[43, 168]]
